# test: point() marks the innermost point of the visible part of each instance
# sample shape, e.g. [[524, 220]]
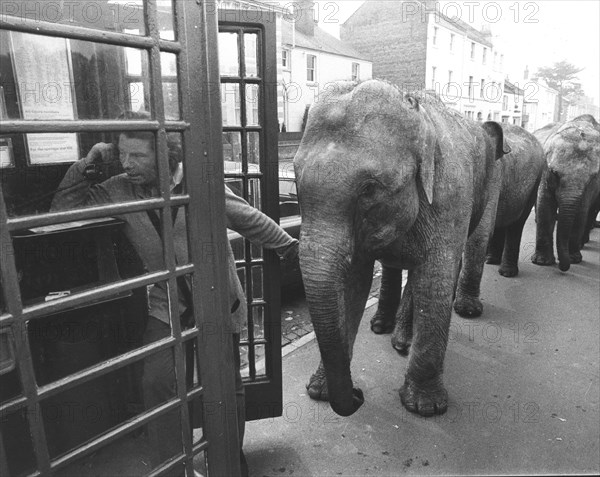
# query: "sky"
[[529, 33]]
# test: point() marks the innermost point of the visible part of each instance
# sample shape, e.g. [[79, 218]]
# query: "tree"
[[562, 77]]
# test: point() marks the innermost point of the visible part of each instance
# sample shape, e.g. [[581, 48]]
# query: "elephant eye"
[[368, 189]]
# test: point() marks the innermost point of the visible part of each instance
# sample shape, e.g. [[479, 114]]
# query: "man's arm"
[[253, 224], [75, 190]]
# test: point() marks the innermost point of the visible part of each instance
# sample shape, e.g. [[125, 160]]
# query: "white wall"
[[459, 61], [301, 92]]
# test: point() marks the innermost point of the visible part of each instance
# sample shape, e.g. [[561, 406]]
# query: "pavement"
[[523, 383]]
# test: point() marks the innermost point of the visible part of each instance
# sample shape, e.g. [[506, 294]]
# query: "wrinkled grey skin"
[[521, 172], [570, 189], [403, 180], [510, 203]]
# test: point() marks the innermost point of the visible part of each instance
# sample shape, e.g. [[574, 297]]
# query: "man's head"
[[137, 151]]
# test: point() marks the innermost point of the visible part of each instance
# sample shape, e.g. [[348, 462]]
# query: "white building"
[[311, 59], [464, 68], [512, 104], [414, 45]]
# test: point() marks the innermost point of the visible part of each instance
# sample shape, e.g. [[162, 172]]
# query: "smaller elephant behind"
[[570, 190], [521, 177]]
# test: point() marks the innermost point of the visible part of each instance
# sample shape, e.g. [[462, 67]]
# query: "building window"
[[451, 41], [433, 77], [311, 68], [505, 103], [472, 50], [505, 119], [435, 33], [496, 116], [501, 62], [481, 88], [484, 55], [470, 87], [355, 72], [449, 76], [285, 59]]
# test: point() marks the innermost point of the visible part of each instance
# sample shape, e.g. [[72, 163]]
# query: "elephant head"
[[365, 169], [573, 157]]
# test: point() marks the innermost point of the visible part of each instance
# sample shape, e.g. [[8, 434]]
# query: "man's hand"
[[289, 253], [101, 162], [101, 153]]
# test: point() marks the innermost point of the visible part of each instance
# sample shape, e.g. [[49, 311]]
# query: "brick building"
[[415, 45]]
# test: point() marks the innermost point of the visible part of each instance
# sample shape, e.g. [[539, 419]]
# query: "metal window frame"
[[201, 127], [263, 393]]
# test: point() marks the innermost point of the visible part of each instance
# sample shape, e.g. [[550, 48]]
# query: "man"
[[140, 181]]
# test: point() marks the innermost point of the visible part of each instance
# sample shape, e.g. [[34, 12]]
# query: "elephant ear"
[[494, 130], [425, 148]]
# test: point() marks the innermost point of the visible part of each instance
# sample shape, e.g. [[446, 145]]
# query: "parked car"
[[289, 214]]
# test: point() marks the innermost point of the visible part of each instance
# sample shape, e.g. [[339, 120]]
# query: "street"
[[523, 383]]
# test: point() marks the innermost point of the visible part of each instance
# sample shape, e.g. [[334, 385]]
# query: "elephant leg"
[[403, 331], [591, 221], [423, 391], [495, 247], [510, 257], [467, 303], [575, 239], [317, 384], [389, 299], [545, 218], [512, 243]]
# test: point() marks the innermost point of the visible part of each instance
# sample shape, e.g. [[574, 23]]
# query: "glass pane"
[[176, 165], [253, 147], [165, 19], [17, 442], [232, 151], [230, 104], [186, 305], [168, 64], [258, 315], [257, 283], [260, 360], [67, 342], [125, 16], [56, 78], [244, 368], [229, 58], [250, 52], [256, 251], [252, 117], [10, 384], [254, 195]]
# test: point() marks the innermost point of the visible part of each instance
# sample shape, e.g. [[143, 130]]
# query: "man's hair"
[[173, 138]]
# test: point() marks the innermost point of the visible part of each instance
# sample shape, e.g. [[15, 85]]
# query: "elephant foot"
[[380, 324], [542, 259], [401, 344], [575, 257], [508, 270], [317, 386], [493, 260], [424, 400], [468, 307]]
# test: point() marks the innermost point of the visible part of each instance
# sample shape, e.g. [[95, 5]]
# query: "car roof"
[[286, 169]]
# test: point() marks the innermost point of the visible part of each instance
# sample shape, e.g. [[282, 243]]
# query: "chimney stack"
[[305, 19]]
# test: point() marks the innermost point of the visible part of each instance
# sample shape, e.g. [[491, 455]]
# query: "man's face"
[[138, 160]]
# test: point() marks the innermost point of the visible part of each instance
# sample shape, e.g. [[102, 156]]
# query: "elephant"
[[571, 185], [521, 173], [400, 178]]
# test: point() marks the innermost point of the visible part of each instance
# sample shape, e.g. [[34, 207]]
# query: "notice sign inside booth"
[[45, 85]]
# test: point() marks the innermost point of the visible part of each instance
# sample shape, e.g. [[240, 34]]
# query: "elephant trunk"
[[326, 272], [567, 213]]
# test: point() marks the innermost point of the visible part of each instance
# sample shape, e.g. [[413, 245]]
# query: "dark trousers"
[[159, 386]]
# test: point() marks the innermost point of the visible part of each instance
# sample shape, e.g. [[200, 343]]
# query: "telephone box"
[[78, 280]]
